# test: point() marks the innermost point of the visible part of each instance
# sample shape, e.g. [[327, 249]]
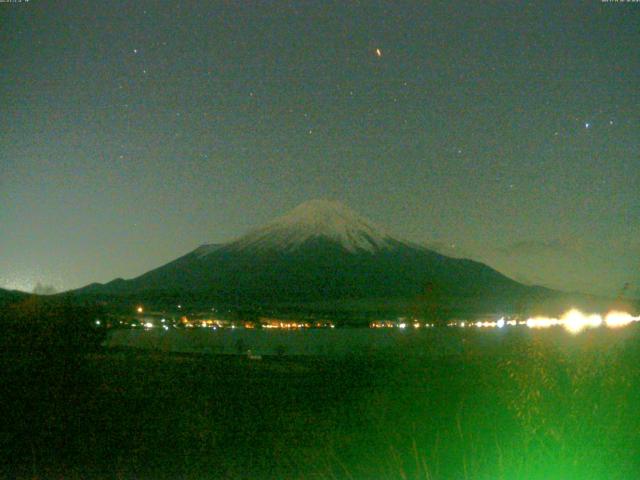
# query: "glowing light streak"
[[541, 322], [616, 319], [574, 321]]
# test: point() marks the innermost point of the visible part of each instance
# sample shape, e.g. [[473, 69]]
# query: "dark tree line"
[[44, 380]]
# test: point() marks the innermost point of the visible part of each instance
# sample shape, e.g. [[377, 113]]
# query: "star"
[[135, 50], [587, 125]]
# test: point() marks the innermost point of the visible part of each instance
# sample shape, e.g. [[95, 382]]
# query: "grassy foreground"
[[542, 406]]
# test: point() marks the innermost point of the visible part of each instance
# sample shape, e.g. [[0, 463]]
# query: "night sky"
[[134, 131]]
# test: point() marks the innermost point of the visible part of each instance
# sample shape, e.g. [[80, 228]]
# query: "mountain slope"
[[320, 252], [316, 219], [11, 296]]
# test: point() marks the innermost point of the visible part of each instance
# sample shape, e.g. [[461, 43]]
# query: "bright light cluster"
[[615, 319], [574, 321]]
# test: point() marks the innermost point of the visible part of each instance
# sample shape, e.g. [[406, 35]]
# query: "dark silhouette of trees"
[[44, 379]]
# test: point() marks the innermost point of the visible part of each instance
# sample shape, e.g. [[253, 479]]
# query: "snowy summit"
[[317, 219]]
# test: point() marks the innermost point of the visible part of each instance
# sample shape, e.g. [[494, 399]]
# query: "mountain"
[[322, 255], [316, 219], [11, 296]]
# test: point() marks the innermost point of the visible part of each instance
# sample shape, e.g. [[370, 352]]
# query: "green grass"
[[542, 406]]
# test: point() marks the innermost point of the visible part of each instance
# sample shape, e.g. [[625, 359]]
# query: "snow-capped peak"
[[317, 219]]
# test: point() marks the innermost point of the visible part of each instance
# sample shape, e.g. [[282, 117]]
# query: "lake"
[[428, 342]]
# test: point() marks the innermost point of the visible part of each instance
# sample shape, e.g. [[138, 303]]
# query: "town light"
[[616, 319]]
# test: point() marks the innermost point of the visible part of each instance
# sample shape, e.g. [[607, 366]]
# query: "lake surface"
[[429, 342]]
